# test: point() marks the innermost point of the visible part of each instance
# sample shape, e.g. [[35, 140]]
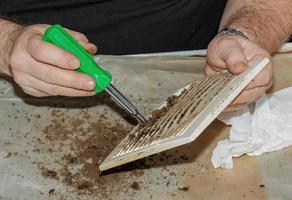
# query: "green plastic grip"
[[60, 37]]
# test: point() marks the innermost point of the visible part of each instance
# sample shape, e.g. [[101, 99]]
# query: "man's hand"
[[233, 53], [267, 24], [43, 69]]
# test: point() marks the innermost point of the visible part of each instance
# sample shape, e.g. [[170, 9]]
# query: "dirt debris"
[[90, 142], [90, 139], [135, 185], [184, 188], [156, 115], [51, 192], [262, 185], [49, 173], [84, 185], [8, 155]]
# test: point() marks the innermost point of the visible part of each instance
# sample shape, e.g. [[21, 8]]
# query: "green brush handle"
[[58, 36]]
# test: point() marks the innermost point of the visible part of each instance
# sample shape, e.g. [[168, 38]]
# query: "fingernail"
[[74, 63], [92, 47], [89, 84]]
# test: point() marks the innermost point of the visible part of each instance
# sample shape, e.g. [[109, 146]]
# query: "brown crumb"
[[70, 159], [262, 185], [89, 140], [135, 185], [168, 182], [51, 192], [8, 155], [184, 188], [49, 173], [84, 185], [171, 100], [155, 116]]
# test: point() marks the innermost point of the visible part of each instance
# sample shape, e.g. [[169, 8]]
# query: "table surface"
[[22, 120]]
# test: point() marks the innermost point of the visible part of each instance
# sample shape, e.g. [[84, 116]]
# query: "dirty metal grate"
[[187, 107], [194, 109]]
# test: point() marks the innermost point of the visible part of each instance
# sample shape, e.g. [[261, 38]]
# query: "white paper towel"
[[263, 127]]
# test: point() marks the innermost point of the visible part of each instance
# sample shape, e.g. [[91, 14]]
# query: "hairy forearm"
[[266, 22], [8, 34]]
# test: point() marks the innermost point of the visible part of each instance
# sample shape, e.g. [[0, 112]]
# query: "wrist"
[[9, 34], [249, 32]]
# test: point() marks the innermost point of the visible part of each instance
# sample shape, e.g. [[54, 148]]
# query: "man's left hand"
[[233, 53]]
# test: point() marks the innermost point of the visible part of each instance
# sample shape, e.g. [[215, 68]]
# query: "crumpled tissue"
[[257, 129]]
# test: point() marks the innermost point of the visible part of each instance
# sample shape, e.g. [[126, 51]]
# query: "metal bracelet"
[[231, 31]]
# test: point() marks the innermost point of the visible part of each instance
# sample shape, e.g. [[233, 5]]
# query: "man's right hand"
[[43, 69]]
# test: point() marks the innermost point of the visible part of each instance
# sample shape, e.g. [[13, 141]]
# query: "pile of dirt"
[[90, 152], [146, 129], [157, 114], [91, 139]]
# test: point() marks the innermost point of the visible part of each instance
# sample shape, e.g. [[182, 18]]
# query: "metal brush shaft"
[[126, 104]]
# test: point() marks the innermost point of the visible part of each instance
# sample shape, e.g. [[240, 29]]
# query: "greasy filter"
[[184, 117]]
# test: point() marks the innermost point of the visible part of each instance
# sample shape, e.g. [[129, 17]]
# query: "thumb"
[[232, 53]]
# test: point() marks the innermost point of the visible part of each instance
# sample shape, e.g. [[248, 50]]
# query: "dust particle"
[[8, 155], [184, 188], [51, 192], [83, 185], [135, 185], [262, 185], [49, 173]]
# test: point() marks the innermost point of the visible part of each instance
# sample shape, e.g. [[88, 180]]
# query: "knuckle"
[[19, 79], [32, 92], [14, 62], [243, 96], [213, 45], [88, 94], [269, 76], [54, 90], [36, 46], [220, 41], [81, 36], [48, 76], [235, 69], [270, 84], [66, 60], [66, 57], [236, 54], [225, 40], [77, 80], [26, 91], [38, 94], [258, 93], [39, 49], [267, 80], [78, 36]]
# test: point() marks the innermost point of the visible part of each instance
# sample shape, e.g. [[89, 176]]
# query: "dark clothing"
[[127, 26]]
